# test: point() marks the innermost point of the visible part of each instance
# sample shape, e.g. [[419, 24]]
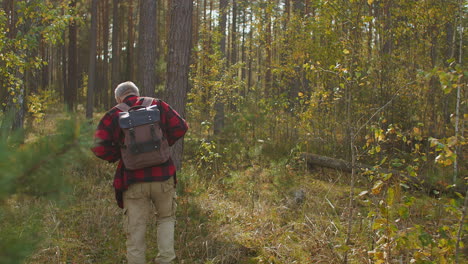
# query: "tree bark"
[[458, 149], [92, 61], [106, 92], [130, 43], [71, 91], [147, 41], [223, 5], [268, 64], [180, 37], [115, 44], [250, 54], [234, 33], [218, 123]]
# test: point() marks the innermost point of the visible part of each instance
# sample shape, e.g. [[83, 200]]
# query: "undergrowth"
[[240, 203], [265, 213]]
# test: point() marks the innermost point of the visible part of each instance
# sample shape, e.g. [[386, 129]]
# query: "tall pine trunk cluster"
[[327, 68]]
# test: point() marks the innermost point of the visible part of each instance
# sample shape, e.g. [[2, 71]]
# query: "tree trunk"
[[115, 44], [130, 43], [243, 48], [195, 24], [106, 92], [218, 123], [92, 61], [180, 37], [268, 43], [147, 41], [458, 112], [43, 49], [250, 55], [299, 7], [234, 33], [71, 91], [223, 5], [63, 55]]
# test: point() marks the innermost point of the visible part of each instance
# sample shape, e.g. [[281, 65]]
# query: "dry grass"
[[248, 216]]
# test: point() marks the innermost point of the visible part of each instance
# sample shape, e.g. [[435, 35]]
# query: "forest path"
[[247, 217]]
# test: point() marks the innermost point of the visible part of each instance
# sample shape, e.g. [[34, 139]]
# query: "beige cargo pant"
[[138, 200]]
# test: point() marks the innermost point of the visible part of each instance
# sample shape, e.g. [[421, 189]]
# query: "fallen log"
[[346, 166], [338, 164]]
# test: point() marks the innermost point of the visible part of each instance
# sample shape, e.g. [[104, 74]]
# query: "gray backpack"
[[144, 143]]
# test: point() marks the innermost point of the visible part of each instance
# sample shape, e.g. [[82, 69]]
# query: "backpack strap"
[[147, 101], [123, 107]]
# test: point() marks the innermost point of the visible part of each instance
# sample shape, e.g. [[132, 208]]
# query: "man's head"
[[125, 89]]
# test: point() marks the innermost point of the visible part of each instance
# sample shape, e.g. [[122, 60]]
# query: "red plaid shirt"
[[109, 137]]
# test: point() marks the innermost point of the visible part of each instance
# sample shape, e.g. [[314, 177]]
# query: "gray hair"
[[125, 89]]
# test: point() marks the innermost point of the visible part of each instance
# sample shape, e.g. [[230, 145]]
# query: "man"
[[136, 189]]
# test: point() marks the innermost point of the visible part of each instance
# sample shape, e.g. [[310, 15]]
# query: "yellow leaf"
[[300, 94], [377, 188], [452, 141], [346, 51], [447, 162], [370, 2], [416, 131], [381, 137], [377, 149]]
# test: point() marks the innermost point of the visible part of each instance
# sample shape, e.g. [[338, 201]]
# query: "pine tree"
[[32, 172]]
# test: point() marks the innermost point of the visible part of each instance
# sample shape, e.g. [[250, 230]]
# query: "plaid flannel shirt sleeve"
[[106, 139], [174, 125]]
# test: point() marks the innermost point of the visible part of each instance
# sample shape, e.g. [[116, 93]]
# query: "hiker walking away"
[[145, 172]]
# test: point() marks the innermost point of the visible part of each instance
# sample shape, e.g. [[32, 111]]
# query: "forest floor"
[[249, 216], [268, 211], [257, 215]]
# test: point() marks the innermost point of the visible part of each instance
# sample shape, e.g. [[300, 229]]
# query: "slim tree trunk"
[[243, 48], [268, 43], [195, 24], [92, 61], [147, 41], [45, 68], [130, 42], [223, 5], [115, 44], [180, 37], [234, 33], [63, 54], [218, 123], [71, 91], [250, 55], [457, 110], [105, 49]]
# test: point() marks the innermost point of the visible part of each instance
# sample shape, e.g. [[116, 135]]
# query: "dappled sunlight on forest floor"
[[270, 214]]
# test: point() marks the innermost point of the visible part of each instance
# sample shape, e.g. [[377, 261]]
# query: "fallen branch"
[[339, 164]]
